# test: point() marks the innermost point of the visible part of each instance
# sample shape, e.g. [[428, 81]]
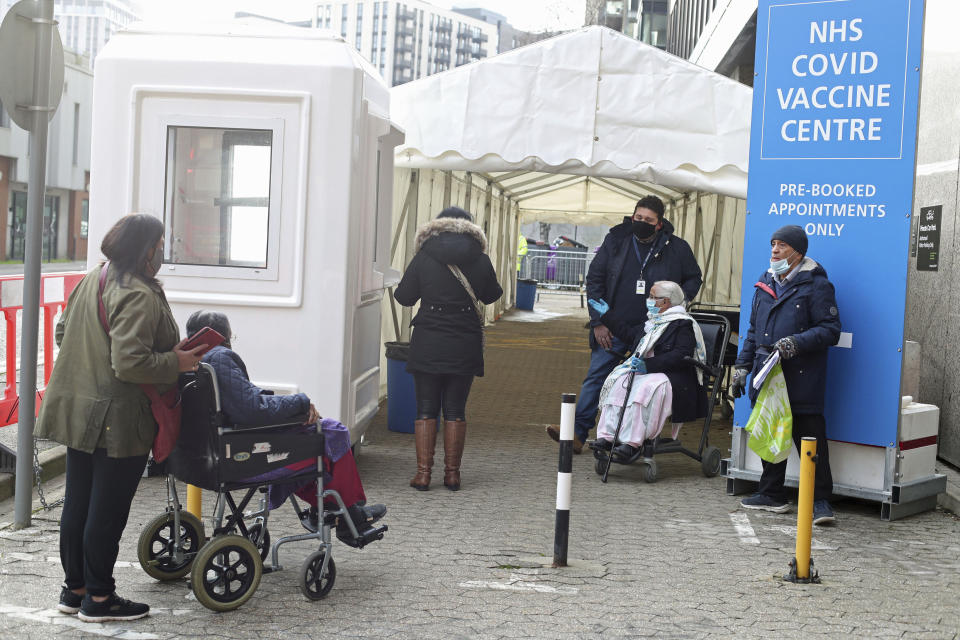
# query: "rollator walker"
[[225, 570], [716, 334]]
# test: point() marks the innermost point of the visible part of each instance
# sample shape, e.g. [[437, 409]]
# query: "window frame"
[[274, 209]]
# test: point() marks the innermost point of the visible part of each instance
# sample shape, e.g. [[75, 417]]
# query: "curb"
[[53, 462], [949, 500]]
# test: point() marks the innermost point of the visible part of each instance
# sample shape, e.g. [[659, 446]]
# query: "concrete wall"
[[933, 297]]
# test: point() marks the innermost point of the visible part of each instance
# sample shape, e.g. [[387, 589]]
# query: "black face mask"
[[643, 230]]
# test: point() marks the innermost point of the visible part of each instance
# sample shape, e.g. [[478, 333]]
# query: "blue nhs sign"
[[832, 149]]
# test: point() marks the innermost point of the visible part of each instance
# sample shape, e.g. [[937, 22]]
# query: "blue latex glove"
[[600, 306], [638, 365]]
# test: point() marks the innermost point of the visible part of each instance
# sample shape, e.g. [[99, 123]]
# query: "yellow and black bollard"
[[801, 567], [194, 501]]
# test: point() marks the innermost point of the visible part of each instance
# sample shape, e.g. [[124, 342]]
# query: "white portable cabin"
[[268, 152]]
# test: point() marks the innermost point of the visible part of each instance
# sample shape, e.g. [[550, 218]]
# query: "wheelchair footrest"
[[366, 537]]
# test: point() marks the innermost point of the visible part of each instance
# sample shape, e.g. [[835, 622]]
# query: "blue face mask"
[[652, 309], [780, 267]]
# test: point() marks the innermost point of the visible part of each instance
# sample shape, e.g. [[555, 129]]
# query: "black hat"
[[794, 236]]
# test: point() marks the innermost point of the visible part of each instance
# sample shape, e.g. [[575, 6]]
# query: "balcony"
[[445, 27], [404, 28], [481, 37]]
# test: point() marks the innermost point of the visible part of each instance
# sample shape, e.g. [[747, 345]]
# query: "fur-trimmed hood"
[[451, 240]]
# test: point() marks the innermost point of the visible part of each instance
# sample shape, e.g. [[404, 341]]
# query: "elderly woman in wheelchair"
[[660, 380], [238, 437]]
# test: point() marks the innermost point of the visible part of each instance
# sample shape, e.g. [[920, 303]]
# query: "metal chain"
[[36, 476]]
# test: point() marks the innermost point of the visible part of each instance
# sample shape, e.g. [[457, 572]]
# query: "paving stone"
[[656, 560]]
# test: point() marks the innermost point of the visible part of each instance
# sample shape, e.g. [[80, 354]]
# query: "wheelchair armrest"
[[295, 421]]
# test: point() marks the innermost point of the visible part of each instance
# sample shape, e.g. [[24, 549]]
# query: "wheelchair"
[[226, 569], [716, 335]]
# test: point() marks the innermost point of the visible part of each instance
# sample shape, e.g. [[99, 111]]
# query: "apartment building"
[[408, 40], [66, 203], [86, 25]]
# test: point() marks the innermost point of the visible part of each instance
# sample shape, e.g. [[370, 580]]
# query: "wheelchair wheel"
[[314, 585], [650, 470], [263, 546], [226, 572], [710, 462], [156, 546]]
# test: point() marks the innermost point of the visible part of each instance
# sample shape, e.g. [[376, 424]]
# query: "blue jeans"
[[601, 364]]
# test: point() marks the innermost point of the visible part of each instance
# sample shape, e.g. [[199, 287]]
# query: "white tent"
[[590, 103], [576, 129]]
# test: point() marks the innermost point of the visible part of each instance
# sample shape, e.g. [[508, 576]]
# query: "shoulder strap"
[[102, 311], [458, 274]]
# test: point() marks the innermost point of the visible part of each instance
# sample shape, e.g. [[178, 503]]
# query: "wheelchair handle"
[[714, 371]]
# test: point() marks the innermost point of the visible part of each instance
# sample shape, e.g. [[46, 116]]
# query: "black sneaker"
[[765, 503], [113, 608], [69, 601]]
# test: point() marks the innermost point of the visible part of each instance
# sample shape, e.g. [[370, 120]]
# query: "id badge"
[[641, 287]]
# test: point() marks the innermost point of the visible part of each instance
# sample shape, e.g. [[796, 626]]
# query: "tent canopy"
[[619, 117]]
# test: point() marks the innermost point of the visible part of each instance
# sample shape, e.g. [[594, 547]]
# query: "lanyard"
[[636, 250]]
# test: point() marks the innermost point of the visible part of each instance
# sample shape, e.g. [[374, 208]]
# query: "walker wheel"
[[157, 545], [253, 533], [315, 583], [650, 470], [710, 462], [226, 572]]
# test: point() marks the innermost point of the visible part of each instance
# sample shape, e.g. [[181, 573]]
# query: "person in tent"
[[634, 254]]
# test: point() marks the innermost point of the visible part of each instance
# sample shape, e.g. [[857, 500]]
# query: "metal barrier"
[[557, 270], [56, 289]]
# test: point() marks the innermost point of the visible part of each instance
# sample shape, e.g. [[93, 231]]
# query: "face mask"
[[643, 230], [780, 267], [157, 261], [652, 309]]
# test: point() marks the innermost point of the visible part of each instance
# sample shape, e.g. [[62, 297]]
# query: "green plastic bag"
[[771, 421]]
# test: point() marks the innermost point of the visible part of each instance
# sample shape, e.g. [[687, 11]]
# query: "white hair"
[[669, 289]]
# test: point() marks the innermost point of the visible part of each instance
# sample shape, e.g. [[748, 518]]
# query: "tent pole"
[[408, 250]]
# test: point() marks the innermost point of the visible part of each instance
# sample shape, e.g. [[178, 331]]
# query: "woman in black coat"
[[446, 349]]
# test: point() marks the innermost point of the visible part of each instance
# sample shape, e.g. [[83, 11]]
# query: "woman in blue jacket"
[[243, 402]]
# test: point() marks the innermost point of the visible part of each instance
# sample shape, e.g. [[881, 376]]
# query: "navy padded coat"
[[807, 310]]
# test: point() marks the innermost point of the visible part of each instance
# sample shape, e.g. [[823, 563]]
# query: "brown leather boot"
[[425, 434], [454, 435]]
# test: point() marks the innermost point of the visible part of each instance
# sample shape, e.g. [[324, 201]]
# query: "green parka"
[[93, 399]]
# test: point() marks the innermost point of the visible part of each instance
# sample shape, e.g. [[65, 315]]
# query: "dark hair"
[[653, 203], [455, 212], [128, 243], [213, 319]]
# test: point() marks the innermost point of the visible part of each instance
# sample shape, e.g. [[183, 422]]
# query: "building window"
[[217, 201], [343, 21], [359, 24], [84, 217]]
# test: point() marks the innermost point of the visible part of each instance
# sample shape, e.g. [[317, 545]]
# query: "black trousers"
[[99, 493], [451, 390], [809, 426]]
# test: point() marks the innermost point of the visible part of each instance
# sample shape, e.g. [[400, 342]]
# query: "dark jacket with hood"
[[447, 336], [670, 259], [807, 310]]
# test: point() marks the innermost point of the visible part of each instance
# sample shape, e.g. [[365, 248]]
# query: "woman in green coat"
[[95, 406]]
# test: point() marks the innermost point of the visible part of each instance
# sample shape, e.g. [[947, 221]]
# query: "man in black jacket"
[[634, 254]]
